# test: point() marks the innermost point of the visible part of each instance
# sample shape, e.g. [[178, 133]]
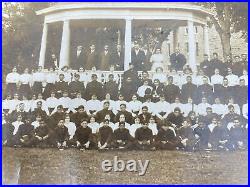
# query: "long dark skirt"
[[37, 88], [11, 89], [25, 90]]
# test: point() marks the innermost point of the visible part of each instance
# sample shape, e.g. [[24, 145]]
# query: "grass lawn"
[[51, 166]]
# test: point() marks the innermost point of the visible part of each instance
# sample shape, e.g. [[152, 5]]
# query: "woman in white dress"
[[157, 60]]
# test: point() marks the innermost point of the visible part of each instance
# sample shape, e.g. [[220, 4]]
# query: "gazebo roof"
[[66, 6]]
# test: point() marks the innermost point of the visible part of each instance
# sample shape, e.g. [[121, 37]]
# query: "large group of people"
[[179, 109]]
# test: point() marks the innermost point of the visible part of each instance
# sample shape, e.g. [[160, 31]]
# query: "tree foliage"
[[229, 18], [22, 31]]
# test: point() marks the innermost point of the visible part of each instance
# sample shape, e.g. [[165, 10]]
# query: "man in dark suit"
[[105, 59], [131, 73], [188, 89], [148, 54], [91, 58], [171, 91], [218, 64], [53, 62], [204, 90], [79, 58], [137, 57], [111, 87], [94, 87], [177, 60], [118, 59], [206, 66]]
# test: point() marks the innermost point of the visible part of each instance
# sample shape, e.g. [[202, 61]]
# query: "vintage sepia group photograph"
[[124, 93]]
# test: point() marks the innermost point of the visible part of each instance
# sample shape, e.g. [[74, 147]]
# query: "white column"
[[65, 45], [128, 35], [206, 40], [191, 46], [43, 45]]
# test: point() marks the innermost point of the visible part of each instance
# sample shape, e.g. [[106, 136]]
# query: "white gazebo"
[[177, 14]]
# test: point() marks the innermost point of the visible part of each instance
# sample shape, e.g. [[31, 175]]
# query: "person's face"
[[209, 111], [177, 100], [214, 121], [26, 70], [79, 48], [134, 98], [137, 120], [92, 120], [16, 96], [217, 101], [215, 56], [145, 83], [144, 110], [204, 100], [122, 118], [189, 80], [192, 116], [185, 124], [162, 99], [53, 56], [51, 70], [217, 71], [19, 118], [145, 125], [151, 120], [225, 82], [245, 72], [94, 97], [39, 105], [244, 57], [81, 70], [61, 77], [34, 97], [84, 124], [14, 70], [190, 100], [231, 100], [65, 94], [81, 110], [92, 47], [94, 78], [79, 95], [40, 68], [158, 51], [121, 98], [59, 110], [177, 113], [39, 96], [42, 123], [177, 50], [107, 96], [170, 80], [242, 82], [106, 105], [237, 59], [144, 75], [8, 97], [228, 58], [205, 80], [229, 71], [236, 123], [123, 108], [106, 47], [136, 46], [60, 123], [38, 118]]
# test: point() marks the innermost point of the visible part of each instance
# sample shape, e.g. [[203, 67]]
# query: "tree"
[[229, 18], [22, 30]]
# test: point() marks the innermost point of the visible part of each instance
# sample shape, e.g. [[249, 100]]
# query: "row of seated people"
[[191, 133], [222, 87], [238, 64], [161, 109]]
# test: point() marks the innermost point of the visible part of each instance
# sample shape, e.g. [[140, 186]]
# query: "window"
[[196, 29], [169, 51], [197, 49], [186, 44]]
